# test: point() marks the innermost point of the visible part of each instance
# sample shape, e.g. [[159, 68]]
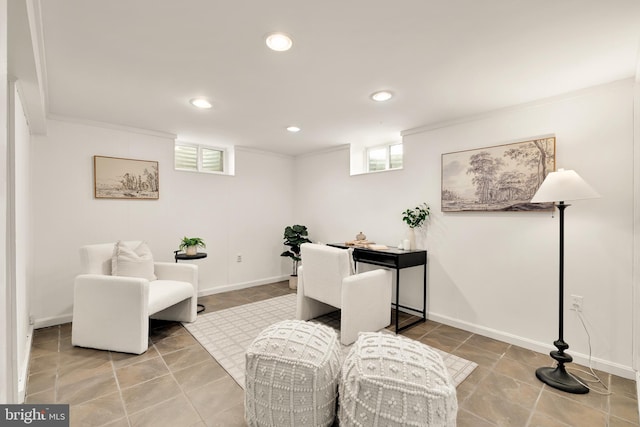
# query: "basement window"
[[385, 157], [201, 158]]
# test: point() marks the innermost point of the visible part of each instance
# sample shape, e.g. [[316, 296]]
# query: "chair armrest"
[[374, 285], [111, 313], [366, 304], [174, 271], [100, 290]]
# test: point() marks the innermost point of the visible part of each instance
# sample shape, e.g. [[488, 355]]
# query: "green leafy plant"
[[294, 236], [191, 241], [416, 217]]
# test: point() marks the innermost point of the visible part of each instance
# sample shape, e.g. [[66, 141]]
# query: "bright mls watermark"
[[34, 415]]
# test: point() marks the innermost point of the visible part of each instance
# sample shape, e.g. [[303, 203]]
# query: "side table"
[[184, 257]]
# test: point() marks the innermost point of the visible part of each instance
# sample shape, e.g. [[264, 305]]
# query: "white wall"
[[636, 263], [23, 242], [496, 273], [6, 367], [242, 214]]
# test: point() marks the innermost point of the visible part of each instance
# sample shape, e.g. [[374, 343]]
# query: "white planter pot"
[[411, 236], [191, 250], [293, 282]]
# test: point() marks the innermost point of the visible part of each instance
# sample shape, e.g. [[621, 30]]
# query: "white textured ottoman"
[[389, 380], [292, 374]]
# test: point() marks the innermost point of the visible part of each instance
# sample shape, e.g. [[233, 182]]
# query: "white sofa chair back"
[[112, 312], [325, 283], [324, 269]]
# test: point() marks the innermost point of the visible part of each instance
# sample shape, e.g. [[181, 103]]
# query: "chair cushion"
[[97, 259], [395, 381], [165, 293], [136, 262]]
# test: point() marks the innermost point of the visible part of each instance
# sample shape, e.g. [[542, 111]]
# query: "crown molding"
[[34, 12], [520, 107], [324, 150], [247, 149], [150, 132], [24, 65]]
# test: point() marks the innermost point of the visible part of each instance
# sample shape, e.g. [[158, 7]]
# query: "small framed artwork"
[[498, 178], [117, 178]]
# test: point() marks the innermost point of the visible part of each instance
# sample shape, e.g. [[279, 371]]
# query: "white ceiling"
[[138, 62]]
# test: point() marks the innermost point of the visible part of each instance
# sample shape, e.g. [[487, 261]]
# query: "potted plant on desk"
[[294, 236], [190, 245], [415, 218]]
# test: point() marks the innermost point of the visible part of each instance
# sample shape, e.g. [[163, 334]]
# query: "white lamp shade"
[[563, 185]]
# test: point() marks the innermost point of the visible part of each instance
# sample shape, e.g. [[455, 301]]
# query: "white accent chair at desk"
[[111, 312], [326, 282]]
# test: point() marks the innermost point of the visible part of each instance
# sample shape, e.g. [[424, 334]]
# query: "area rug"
[[226, 334]]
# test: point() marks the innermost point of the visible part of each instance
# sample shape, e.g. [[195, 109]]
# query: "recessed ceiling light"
[[279, 42], [293, 129], [201, 103], [383, 95]]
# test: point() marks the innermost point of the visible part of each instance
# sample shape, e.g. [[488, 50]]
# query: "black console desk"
[[396, 259]]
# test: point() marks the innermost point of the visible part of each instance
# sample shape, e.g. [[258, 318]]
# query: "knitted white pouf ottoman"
[[292, 374], [389, 380]]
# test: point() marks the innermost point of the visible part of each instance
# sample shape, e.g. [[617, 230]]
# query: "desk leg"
[[424, 293], [397, 299], [421, 319]]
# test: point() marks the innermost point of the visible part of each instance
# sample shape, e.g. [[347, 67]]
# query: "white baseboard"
[[638, 389], [66, 318], [243, 285], [583, 359], [22, 375], [52, 321]]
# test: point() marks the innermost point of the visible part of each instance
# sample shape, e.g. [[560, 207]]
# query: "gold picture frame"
[[499, 178], [130, 179]]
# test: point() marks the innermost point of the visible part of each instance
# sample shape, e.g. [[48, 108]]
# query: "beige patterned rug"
[[226, 334]]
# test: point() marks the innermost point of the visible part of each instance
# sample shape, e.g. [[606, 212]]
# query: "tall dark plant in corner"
[[294, 236]]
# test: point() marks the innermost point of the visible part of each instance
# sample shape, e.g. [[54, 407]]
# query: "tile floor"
[[177, 383]]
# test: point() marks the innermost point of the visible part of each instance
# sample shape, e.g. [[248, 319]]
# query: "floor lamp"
[[558, 187]]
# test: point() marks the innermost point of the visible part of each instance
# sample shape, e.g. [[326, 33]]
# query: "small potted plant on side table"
[[190, 245], [294, 236]]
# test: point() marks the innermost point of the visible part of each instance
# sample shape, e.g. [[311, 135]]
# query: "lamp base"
[[559, 378]]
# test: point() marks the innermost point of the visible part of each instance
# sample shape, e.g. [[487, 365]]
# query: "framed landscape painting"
[[116, 178], [499, 178]]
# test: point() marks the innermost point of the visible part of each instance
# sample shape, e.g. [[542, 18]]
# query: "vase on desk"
[[411, 237], [416, 239], [421, 238]]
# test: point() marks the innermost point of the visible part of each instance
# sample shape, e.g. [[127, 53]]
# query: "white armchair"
[[112, 312], [325, 282]]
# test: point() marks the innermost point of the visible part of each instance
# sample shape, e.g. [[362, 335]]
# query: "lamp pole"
[[561, 207], [558, 377]]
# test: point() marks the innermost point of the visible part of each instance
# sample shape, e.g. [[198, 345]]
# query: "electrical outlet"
[[576, 302], [239, 258]]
